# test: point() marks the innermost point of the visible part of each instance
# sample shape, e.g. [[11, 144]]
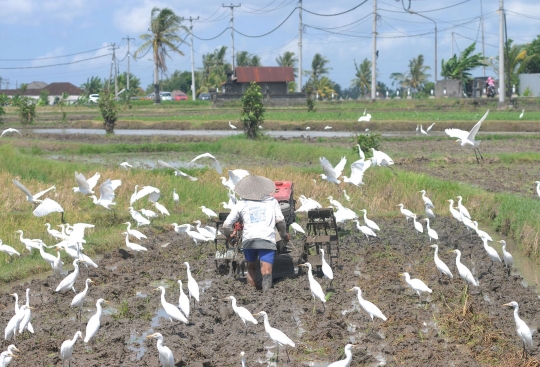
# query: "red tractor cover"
[[283, 190]]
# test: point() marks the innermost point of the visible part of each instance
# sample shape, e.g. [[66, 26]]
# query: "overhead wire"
[[262, 11], [213, 38], [336, 14], [48, 66], [267, 33], [56, 57]]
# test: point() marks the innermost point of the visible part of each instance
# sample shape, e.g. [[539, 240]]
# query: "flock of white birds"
[[71, 240]]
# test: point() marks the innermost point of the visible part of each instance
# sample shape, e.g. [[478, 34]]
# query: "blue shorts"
[[264, 255]]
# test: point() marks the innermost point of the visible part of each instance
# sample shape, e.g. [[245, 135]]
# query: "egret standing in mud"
[[165, 354], [369, 307], [508, 258], [441, 266], [171, 310], [348, 357], [95, 321], [193, 287], [276, 335], [66, 350], [78, 300], [242, 312], [416, 284], [183, 300], [315, 287], [523, 331]]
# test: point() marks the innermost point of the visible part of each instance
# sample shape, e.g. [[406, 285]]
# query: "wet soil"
[[433, 330]]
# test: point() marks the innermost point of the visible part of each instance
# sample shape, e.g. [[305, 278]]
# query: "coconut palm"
[[531, 63], [243, 58], [459, 67], [363, 77], [93, 85], [288, 59], [318, 68], [213, 72], [515, 61], [324, 87], [415, 77], [164, 25]]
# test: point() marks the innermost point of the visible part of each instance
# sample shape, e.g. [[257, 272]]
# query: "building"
[[271, 79], [54, 91]]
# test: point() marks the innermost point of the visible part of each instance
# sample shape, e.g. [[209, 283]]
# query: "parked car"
[[94, 98], [181, 97], [166, 96], [205, 96]]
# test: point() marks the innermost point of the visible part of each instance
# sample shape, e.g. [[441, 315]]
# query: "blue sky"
[[47, 32]]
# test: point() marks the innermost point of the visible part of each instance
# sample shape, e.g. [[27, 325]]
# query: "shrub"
[[527, 92], [26, 107], [108, 107], [252, 110], [3, 102], [309, 101], [368, 141]]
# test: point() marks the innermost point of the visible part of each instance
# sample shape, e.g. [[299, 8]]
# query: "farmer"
[[260, 214]]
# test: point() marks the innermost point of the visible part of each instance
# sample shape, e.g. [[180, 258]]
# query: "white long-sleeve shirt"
[[259, 218]]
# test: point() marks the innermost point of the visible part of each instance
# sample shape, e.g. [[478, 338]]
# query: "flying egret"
[[427, 201], [78, 300], [467, 138], [171, 310], [369, 307], [430, 127], [508, 258], [431, 232], [12, 130], [133, 232], [160, 208], [241, 312], [66, 350], [441, 266], [177, 172], [126, 165], [85, 186], [8, 249], [422, 131], [416, 284], [297, 228], [47, 207], [492, 253], [358, 168], [7, 356], [456, 214], [193, 287], [371, 224], [209, 212], [95, 321], [176, 197], [314, 287], [462, 210], [381, 159], [406, 212], [32, 198], [365, 230], [183, 300], [417, 225], [69, 281], [153, 194], [215, 162], [523, 331], [232, 126], [331, 174], [141, 221], [133, 246], [326, 269], [520, 115], [165, 354], [106, 195], [276, 335], [348, 357], [463, 271]]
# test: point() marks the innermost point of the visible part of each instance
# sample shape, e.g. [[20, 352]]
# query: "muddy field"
[[433, 331]]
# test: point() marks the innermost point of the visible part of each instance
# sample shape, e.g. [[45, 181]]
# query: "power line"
[[346, 25], [446, 7], [62, 64], [333, 15], [56, 57], [213, 38], [273, 30], [262, 11]]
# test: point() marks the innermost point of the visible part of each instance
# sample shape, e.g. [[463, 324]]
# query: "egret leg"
[[476, 156], [288, 358], [480, 153]]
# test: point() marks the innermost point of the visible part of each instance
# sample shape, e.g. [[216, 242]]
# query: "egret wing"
[[340, 166], [183, 174], [41, 193], [476, 127], [165, 164], [457, 133], [22, 188], [327, 168], [82, 182], [106, 191], [154, 193], [237, 174], [46, 207], [116, 184], [92, 181]]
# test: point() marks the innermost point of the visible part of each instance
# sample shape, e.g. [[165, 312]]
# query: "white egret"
[[427, 201], [307, 204], [462, 210], [348, 357], [537, 187], [381, 159], [422, 131], [153, 194], [183, 228], [429, 212], [160, 208], [308, 128], [482, 234], [365, 117], [95, 321], [183, 300], [7, 356], [521, 114], [469, 224], [463, 271], [314, 287], [196, 236], [297, 228], [54, 233], [47, 207], [46, 256], [13, 324], [365, 230], [232, 126], [177, 172], [276, 335], [492, 253], [133, 246], [371, 224], [417, 130], [508, 258], [29, 243], [126, 165], [326, 269], [12, 130], [85, 186], [347, 197], [171, 310], [149, 214], [369, 307], [234, 176], [215, 162], [331, 174], [209, 212], [241, 312], [69, 281], [32, 198], [141, 221], [406, 212], [58, 263], [66, 350], [417, 226], [27, 315], [106, 195], [522, 330], [431, 232], [78, 300], [416, 284], [176, 197], [206, 233], [133, 232], [193, 287], [165, 354], [467, 138], [328, 127], [456, 214], [8, 249], [441, 266], [243, 359], [430, 127]]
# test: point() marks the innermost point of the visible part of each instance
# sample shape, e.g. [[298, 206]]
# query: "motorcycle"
[[490, 91]]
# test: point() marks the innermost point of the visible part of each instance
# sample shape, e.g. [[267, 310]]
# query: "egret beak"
[[106, 302], [255, 314], [401, 274], [350, 290], [13, 355], [150, 336], [508, 304], [155, 289], [82, 261], [16, 349], [225, 299], [31, 308], [449, 252], [91, 281]]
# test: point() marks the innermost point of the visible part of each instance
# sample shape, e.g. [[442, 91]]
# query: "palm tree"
[[318, 68], [255, 61], [164, 25], [214, 70], [324, 87], [242, 58], [93, 85], [288, 59], [363, 77], [459, 67], [515, 61], [415, 77]]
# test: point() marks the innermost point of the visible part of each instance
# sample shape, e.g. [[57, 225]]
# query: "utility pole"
[[300, 31], [374, 56], [452, 48], [232, 28], [483, 49], [191, 19], [113, 47], [128, 56], [502, 89]]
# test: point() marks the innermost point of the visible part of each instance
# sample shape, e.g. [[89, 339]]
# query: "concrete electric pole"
[[300, 31], [502, 89], [374, 55], [232, 28], [128, 56], [191, 19]]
